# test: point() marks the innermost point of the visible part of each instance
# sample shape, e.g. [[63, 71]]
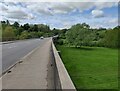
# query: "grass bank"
[[91, 67]]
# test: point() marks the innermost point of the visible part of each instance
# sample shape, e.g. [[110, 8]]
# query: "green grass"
[[91, 67]]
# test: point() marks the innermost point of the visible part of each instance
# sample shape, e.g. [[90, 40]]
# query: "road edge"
[[19, 61]]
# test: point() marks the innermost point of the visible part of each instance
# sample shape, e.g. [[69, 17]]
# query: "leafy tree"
[[16, 24], [77, 35], [111, 38], [7, 22], [40, 34], [8, 34], [0, 33], [3, 22], [35, 28], [33, 34], [24, 35], [43, 28], [26, 26], [85, 25], [20, 30]]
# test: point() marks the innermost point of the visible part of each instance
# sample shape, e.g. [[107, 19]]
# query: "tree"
[[24, 35], [40, 34], [33, 34], [8, 34], [35, 28], [43, 28], [26, 26], [3, 22], [16, 24], [85, 25], [20, 30], [77, 34], [7, 22], [112, 38]]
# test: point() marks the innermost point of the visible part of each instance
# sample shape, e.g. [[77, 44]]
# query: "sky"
[[61, 14]]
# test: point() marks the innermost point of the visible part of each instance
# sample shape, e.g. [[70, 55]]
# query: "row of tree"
[[78, 35], [82, 35], [16, 31]]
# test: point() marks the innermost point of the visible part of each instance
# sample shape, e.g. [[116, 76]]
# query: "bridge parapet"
[[62, 78]]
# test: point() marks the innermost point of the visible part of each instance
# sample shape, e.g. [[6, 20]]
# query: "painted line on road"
[[14, 46], [9, 47]]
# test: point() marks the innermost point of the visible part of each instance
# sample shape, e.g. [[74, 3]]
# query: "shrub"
[[60, 42], [24, 35], [8, 34]]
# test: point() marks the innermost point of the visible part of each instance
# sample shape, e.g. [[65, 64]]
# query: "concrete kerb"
[[65, 80]]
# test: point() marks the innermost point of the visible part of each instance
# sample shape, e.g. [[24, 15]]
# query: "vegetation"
[[8, 34], [80, 35], [91, 67], [89, 63], [111, 38], [16, 31]]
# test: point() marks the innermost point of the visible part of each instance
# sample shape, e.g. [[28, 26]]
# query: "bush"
[[24, 35], [40, 34], [33, 35], [111, 38], [8, 34], [60, 42]]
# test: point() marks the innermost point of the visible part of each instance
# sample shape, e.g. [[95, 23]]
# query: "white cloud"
[[81, 6], [51, 8], [60, 8], [3, 8], [41, 8], [11, 10], [113, 21], [108, 22], [101, 5], [66, 24], [37, 11], [61, 0], [97, 13], [17, 14], [1, 19], [66, 7]]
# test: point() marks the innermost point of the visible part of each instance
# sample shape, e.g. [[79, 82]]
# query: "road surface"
[[13, 52], [35, 71]]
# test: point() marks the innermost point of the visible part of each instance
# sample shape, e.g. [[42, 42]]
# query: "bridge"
[[33, 64]]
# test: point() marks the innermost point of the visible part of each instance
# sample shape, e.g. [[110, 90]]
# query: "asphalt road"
[[35, 71], [13, 52]]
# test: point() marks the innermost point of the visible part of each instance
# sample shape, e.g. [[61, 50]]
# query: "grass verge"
[[91, 67]]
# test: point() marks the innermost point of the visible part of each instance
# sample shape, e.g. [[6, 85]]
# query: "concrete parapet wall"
[[63, 80]]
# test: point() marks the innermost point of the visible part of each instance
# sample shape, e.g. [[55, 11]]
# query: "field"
[[91, 67]]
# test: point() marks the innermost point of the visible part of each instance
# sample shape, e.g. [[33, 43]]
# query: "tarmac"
[[34, 71]]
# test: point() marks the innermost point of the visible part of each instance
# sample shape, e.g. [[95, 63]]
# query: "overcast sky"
[[61, 14]]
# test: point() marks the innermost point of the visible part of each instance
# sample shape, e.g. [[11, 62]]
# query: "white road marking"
[[14, 46], [10, 47]]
